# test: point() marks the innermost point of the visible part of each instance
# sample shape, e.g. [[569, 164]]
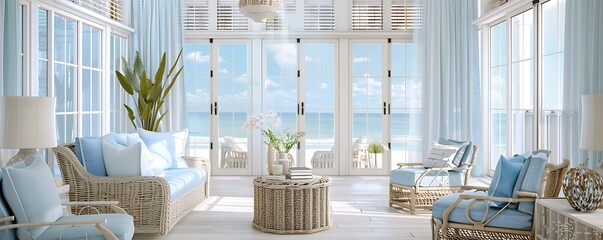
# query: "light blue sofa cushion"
[[509, 218], [409, 177], [464, 152], [168, 147], [121, 225], [8, 234], [29, 189], [183, 180], [89, 151], [505, 178], [531, 182]]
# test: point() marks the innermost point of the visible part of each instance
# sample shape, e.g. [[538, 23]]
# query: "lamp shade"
[[591, 134], [27, 122]]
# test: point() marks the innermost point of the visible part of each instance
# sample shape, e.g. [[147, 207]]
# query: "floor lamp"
[[27, 123], [591, 134]]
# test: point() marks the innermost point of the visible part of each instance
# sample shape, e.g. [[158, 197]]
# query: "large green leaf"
[[160, 71], [130, 115], [125, 84]]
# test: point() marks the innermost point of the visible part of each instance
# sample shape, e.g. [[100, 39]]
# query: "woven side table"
[[286, 206]]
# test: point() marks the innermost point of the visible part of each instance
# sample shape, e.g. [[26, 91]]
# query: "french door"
[[217, 87]]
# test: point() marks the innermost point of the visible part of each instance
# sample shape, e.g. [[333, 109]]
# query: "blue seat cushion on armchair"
[[183, 180], [409, 177], [508, 218], [121, 225]]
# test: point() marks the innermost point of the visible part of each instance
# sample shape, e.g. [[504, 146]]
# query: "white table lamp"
[[591, 134], [27, 123]]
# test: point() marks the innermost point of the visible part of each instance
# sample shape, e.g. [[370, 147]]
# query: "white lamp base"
[[24, 154]]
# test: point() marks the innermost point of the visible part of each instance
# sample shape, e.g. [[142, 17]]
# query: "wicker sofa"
[[147, 198]]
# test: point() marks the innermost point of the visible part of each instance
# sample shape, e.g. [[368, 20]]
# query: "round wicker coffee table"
[[291, 206]]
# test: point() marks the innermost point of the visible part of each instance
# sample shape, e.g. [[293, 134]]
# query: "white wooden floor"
[[359, 210]]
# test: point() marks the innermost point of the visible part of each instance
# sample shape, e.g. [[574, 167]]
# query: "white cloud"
[[269, 83], [284, 54], [324, 85], [312, 60], [241, 78], [199, 95], [367, 86], [197, 57], [361, 60], [224, 71]]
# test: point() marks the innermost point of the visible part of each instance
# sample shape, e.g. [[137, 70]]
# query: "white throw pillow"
[[121, 160], [149, 166], [441, 156]]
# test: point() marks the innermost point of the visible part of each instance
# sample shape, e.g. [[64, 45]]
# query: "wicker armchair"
[[422, 197], [480, 228], [146, 198]]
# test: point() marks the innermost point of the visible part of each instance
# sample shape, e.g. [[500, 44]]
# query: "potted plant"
[[374, 149], [148, 92]]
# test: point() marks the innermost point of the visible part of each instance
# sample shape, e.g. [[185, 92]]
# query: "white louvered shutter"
[[367, 15], [195, 15], [230, 17], [405, 15], [319, 15], [110, 8], [278, 23]]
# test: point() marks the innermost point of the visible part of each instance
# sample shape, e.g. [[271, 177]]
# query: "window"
[[65, 77], [229, 16], [43, 62], [405, 15], [319, 15], [367, 15], [525, 105], [281, 22], [198, 91], [109, 8], [196, 15]]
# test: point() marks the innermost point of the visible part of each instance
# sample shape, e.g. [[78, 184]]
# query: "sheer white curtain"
[[448, 48], [8, 48], [583, 69], [158, 29]]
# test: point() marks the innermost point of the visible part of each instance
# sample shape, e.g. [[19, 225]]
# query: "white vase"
[[283, 158], [270, 159], [277, 170]]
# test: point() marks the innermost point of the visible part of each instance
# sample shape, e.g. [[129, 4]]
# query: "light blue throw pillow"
[[505, 178], [532, 180], [90, 153], [168, 147], [29, 189], [461, 153], [148, 165]]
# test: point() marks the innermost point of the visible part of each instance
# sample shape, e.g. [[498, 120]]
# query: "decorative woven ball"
[[583, 188]]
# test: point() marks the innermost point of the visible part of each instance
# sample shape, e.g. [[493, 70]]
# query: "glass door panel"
[[198, 98], [498, 93], [233, 84], [405, 111], [319, 107], [367, 104], [280, 85]]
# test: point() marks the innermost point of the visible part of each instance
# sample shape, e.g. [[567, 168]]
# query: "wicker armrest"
[[476, 188], [496, 199], [94, 204], [98, 224]]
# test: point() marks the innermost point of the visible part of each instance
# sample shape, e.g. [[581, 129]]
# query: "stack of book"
[[298, 173]]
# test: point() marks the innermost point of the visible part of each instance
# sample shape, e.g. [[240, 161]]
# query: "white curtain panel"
[[448, 48], [583, 71], [8, 49], [158, 29]]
